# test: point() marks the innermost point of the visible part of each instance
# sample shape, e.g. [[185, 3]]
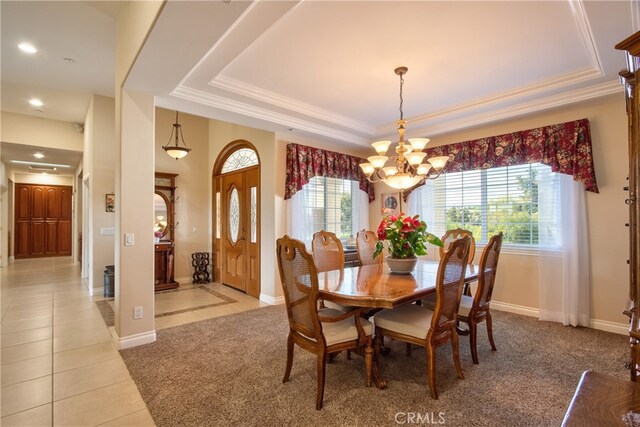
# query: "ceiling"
[[325, 68], [25, 153]]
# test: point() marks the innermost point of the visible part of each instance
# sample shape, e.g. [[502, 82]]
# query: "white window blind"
[[329, 204], [488, 201]]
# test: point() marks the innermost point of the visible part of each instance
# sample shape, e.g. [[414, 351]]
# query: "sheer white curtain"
[[563, 272], [304, 217], [420, 202]]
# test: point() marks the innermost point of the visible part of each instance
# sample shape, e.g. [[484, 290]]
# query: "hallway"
[[59, 366]]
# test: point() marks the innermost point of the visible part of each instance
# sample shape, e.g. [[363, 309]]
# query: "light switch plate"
[[128, 239]]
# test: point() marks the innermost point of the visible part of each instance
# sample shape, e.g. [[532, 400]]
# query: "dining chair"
[[366, 246], [431, 329], [456, 233], [328, 255], [453, 234], [475, 309], [322, 332]]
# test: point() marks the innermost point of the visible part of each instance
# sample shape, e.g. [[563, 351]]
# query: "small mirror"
[[160, 215]]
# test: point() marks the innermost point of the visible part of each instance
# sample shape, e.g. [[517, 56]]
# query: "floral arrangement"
[[407, 236], [157, 234]]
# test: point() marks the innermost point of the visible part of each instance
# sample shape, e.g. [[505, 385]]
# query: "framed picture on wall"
[[110, 202], [391, 204]]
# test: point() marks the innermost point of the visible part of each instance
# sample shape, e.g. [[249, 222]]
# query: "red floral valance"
[[303, 163], [565, 147]]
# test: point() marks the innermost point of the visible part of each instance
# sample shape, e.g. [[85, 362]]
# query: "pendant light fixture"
[[175, 150]]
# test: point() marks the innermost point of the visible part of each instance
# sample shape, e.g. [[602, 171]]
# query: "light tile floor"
[[57, 363]]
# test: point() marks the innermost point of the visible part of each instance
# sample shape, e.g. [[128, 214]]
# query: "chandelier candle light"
[[176, 151], [409, 168]]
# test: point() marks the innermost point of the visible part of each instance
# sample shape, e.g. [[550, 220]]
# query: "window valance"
[[303, 163], [565, 147]]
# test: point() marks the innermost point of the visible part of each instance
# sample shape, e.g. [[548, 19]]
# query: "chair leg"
[[473, 340], [431, 370], [348, 354], [408, 349], [455, 346], [321, 362], [490, 332], [287, 371]]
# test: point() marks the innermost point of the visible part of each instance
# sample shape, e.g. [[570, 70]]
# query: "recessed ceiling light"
[[36, 102], [38, 155], [55, 165], [27, 48]]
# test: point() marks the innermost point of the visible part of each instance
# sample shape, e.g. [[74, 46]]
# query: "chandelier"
[[176, 151], [409, 167]]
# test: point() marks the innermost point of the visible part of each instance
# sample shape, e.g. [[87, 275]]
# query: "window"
[[243, 158], [488, 201], [329, 204]]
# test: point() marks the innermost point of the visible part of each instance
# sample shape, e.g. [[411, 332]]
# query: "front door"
[[239, 252], [234, 238]]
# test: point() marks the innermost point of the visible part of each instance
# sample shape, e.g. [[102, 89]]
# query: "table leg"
[[375, 369]]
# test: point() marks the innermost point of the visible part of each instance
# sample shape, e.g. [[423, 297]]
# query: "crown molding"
[[272, 98], [513, 95], [260, 113], [585, 32], [524, 108]]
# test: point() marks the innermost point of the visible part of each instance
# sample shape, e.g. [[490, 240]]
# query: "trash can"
[[109, 281]]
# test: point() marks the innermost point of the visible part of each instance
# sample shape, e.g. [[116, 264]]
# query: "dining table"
[[374, 286]]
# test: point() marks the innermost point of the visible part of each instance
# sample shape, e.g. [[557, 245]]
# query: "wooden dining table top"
[[374, 286]]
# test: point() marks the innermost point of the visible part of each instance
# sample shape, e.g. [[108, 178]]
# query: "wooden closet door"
[[37, 228], [23, 220], [42, 220], [52, 211], [64, 221]]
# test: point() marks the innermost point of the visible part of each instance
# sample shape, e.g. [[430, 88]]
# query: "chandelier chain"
[[401, 100]]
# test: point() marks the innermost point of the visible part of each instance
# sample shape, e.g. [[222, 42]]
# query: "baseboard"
[[271, 300], [513, 308], [601, 325], [184, 280], [605, 325], [132, 340]]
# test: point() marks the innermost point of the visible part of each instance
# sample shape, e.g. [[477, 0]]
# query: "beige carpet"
[[228, 371]]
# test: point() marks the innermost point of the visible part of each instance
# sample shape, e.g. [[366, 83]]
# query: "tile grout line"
[[53, 304]]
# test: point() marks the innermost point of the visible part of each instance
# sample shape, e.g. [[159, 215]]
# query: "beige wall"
[[30, 178], [221, 134], [135, 163], [99, 170], [517, 281], [192, 206], [30, 130]]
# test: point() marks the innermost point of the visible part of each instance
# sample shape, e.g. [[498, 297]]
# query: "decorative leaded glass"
[[218, 224], [254, 206], [243, 158], [234, 215]]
